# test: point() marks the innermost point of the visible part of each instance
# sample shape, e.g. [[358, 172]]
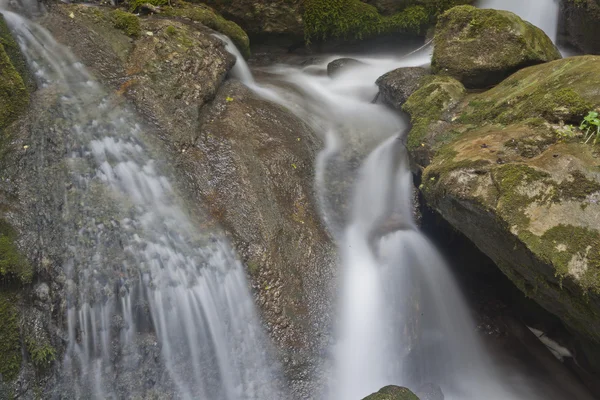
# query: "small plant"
[[591, 127], [566, 131]]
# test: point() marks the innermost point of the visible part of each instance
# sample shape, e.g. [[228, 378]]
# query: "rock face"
[[498, 168], [392, 393], [275, 17], [482, 47], [396, 86], [582, 24], [252, 167], [337, 66], [246, 161]]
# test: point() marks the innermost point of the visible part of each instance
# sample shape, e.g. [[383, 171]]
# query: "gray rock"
[[582, 24], [430, 391], [396, 86], [335, 67]]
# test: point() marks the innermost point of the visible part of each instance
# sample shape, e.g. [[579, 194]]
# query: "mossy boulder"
[[208, 17], [582, 24], [14, 96], [500, 173], [395, 87], [429, 108], [392, 393], [274, 17], [127, 22], [482, 47]]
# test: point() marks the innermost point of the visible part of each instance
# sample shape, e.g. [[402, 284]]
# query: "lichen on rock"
[[482, 47]]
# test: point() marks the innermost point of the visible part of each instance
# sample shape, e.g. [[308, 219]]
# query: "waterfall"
[[541, 13], [155, 307], [402, 318]]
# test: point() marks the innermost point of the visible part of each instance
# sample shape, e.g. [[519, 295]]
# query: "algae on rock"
[[392, 393]]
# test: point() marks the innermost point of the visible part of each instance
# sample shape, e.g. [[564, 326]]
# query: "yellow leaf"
[[294, 166], [229, 99], [71, 15]]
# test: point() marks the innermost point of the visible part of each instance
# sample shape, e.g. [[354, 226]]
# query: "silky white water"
[[153, 305], [541, 13], [402, 319]]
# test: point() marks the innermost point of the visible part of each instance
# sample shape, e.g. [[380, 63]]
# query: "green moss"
[[14, 96], [171, 30], [127, 22], [207, 17], [10, 344], [436, 95], [482, 47], [13, 265], [562, 90], [41, 354], [14, 54], [353, 19], [578, 187], [134, 5]]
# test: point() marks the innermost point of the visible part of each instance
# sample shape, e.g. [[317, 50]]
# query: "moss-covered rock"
[[529, 198], [395, 87], [13, 265], [428, 106], [127, 22], [482, 47], [17, 58], [208, 17], [14, 95], [582, 24], [392, 393]]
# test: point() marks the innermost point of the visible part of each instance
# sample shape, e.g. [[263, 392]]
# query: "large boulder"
[[275, 17], [247, 161], [482, 47], [392, 392], [502, 170], [396, 86], [582, 24]]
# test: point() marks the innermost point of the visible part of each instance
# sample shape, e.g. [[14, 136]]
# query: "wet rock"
[[499, 172], [392, 393], [396, 86], [338, 66], [582, 24], [482, 47], [277, 17], [251, 149], [42, 292], [430, 391]]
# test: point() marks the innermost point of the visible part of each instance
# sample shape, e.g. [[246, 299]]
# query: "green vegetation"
[[13, 265], [42, 354], [591, 126], [127, 22], [14, 54], [10, 344], [353, 19], [207, 17], [437, 95], [14, 96], [134, 5]]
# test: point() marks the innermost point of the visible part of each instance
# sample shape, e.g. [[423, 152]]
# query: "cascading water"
[[146, 292], [541, 13], [402, 317]]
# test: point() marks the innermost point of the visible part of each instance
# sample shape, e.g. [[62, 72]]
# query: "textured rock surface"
[[252, 167], [278, 17], [247, 160], [497, 171], [482, 47], [392, 393], [582, 24], [396, 86]]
